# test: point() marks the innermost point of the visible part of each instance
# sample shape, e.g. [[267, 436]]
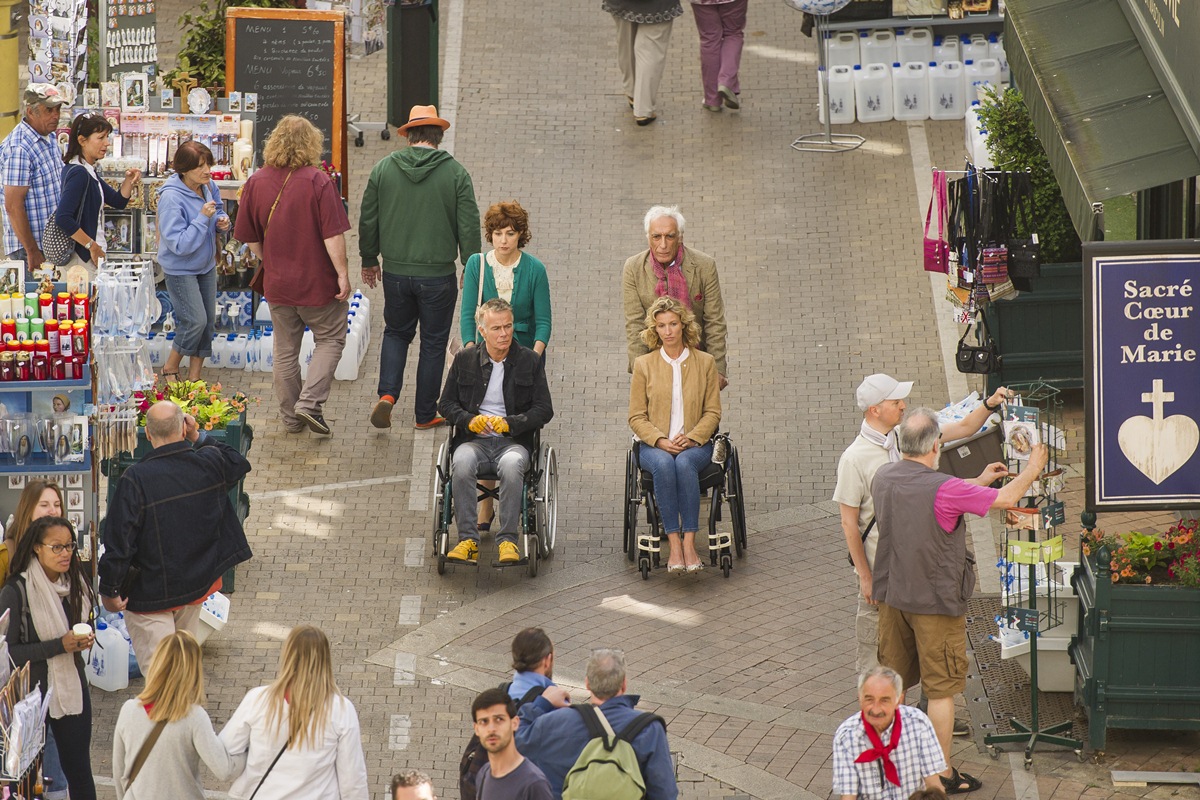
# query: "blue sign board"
[[1142, 319]]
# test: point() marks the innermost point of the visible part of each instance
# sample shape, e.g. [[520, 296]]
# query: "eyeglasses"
[[58, 548]]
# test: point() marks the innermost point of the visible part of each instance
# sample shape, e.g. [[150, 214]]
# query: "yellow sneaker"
[[466, 550], [509, 553]]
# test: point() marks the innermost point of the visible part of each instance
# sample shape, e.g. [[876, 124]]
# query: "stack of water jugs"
[[881, 74], [254, 350]]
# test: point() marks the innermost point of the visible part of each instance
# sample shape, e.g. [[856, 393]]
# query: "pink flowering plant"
[[206, 402], [1170, 558]]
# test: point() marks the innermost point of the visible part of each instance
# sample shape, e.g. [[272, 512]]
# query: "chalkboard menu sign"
[[295, 61]]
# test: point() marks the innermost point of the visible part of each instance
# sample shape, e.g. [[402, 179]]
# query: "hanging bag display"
[[980, 359], [937, 251], [1024, 250]]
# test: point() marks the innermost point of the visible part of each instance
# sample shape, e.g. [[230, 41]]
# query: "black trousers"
[[74, 737]]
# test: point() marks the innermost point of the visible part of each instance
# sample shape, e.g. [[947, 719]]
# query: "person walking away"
[[643, 34], [722, 26]]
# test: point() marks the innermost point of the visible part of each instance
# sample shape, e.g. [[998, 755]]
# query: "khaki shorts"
[[930, 648]]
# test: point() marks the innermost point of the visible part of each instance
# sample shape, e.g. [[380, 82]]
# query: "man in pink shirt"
[[924, 573]]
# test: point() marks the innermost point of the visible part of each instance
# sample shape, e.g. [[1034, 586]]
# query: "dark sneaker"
[[314, 421], [381, 414], [433, 423]]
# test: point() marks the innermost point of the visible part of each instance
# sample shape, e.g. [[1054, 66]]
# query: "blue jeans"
[[676, 484], [407, 302], [195, 300], [52, 770]]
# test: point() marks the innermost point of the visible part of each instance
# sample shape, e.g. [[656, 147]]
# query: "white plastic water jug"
[[841, 95], [359, 324], [216, 360], [307, 345], [947, 90], [915, 45], [996, 51], [268, 361], [878, 47], [873, 93], [910, 91], [364, 303], [263, 314], [108, 659], [948, 48], [241, 346], [152, 350], [982, 75], [842, 49], [973, 48], [976, 138], [235, 356], [347, 368]]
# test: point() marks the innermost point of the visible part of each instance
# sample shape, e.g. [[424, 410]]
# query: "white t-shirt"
[[493, 398], [856, 470], [676, 391]]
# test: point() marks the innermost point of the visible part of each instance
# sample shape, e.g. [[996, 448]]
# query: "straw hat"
[[423, 115]]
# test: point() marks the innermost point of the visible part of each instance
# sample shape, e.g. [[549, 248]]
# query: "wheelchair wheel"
[[547, 502], [631, 507], [726, 564], [534, 554], [737, 502], [644, 566]]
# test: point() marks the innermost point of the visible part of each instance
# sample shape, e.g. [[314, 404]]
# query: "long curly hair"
[[294, 143], [691, 328]]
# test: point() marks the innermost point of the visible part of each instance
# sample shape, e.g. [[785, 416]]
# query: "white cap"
[[879, 387]]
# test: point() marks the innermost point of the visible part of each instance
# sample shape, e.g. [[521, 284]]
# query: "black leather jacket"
[[526, 394]]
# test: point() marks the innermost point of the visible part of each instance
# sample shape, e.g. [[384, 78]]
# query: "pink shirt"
[[957, 497]]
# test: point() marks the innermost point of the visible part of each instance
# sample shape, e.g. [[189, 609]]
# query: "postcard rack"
[[22, 732]]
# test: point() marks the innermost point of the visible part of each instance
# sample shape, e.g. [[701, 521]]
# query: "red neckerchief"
[[670, 278], [879, 751]]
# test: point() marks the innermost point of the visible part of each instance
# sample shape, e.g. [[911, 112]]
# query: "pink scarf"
[[670, 278]]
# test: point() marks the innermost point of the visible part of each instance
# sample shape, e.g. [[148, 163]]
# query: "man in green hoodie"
[[419, 213]]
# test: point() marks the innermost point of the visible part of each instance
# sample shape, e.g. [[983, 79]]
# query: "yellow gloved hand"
[[499, 424], [477, 424]]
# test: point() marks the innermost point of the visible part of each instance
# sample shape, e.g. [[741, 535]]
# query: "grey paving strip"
[[330, 487], [796, 515]]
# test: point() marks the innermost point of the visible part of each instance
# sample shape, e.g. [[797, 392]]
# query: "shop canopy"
[[1096, 104]]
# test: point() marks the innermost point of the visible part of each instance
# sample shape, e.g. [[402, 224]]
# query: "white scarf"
[[886, 442], [50, 622]]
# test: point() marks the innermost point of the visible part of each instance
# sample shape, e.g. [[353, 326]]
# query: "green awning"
[[1098, 109]]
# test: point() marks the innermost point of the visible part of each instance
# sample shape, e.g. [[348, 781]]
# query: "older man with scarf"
[[889, 750], [669, 268]]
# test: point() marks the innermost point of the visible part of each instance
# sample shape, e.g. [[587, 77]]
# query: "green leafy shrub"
[[202, 54]]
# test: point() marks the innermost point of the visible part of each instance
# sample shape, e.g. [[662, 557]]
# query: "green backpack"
[[607, 769]]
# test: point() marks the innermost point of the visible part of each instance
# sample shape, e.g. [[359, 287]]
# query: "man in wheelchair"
[[497, 398]]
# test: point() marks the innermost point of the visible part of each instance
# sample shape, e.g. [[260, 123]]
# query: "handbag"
[[453, 345], [937, 251], [1024, 250], [257, 279], [981, 359], [57, 245], [144, 752]]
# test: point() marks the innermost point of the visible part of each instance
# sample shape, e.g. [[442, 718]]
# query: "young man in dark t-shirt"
[[508, 775]]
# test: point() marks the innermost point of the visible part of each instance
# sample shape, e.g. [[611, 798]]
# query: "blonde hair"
[[306, 680], [691, 328], [175, 680], [294, 143]]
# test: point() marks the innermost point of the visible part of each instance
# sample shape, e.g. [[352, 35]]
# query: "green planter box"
[[238, 435], [1136, 653], [1040, 333]]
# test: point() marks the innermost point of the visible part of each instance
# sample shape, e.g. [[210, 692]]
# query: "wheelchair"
[[539, 507], [723, 485]]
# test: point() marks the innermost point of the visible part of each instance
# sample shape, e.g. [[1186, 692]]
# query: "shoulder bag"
[[256, 280], [981, 359], [937, 251], [57, 245], [144, 752], [453, 345], [865, 534], [1024, 250]]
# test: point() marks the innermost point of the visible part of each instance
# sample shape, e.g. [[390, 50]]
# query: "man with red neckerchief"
[[888, 751]]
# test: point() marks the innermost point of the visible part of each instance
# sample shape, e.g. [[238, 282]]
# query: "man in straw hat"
[[419, 213], [31, 168]]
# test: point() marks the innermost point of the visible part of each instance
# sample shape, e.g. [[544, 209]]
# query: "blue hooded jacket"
[[187, 238]]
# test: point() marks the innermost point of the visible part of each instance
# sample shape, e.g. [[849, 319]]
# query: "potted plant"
[[202, 52], [1138, 638]]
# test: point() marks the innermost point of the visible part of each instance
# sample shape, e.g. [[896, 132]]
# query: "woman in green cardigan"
[[509, 273]]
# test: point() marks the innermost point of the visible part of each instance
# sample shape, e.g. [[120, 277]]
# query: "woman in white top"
[[300, 735], [173, 698], [674, 409]]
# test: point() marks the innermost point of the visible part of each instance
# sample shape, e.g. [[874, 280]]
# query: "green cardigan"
[[530, 299]]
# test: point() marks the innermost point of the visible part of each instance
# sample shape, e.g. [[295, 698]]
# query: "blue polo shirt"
[[27, 159]]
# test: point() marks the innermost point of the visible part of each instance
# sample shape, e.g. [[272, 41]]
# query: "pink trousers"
[[721, 29]]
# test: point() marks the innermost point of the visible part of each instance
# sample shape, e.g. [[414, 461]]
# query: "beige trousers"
[[642, 55], [147, 630]]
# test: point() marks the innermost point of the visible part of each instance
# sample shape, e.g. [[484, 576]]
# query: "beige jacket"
[[650, 397], [700, 272]]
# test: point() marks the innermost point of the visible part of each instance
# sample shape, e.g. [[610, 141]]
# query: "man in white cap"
[[31, 168], [881, 398]]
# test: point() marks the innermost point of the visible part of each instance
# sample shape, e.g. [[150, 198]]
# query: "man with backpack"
[[508, 775], [604, 749]]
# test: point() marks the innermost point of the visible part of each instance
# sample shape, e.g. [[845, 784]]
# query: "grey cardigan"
[[643, 11], [173, 767]]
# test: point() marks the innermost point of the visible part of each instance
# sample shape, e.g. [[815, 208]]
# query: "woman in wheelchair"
[[674, 410]]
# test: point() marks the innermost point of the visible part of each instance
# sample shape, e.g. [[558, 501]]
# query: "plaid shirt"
[[27, 159], [916, 757]]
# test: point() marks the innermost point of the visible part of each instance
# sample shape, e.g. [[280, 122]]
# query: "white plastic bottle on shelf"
[[974, 49], [243, 345], [263, 313], [915, 45], [996, 51], [982, 75], [947, 48], [152, 351], [879, 47], [910, 91], [108, 660], [347, 368], [873, 92], [841, 95], [842, 49], [268, 360], [218, 350], [947, 90], [307, 345], [235, 357], [976, 137]]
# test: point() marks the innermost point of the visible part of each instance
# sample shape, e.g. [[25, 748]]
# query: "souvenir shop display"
[[58, 44], [128, 38]]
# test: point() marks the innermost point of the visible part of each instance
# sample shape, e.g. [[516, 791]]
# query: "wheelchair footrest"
[[720, 541], [524, 562], [454, 562]]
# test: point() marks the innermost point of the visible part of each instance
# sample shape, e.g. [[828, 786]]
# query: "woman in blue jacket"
[[84, 195], [190, 213]]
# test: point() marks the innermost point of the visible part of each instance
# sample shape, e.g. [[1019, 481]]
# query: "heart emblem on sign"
[[1158, 447]]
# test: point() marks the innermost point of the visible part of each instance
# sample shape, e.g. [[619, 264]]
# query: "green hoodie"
[[419, 213]]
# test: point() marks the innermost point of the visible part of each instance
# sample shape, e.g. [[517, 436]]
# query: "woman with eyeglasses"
[[46, 595], [38, 499]]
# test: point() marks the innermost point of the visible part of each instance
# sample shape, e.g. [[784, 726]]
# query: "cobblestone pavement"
[[818, 260]]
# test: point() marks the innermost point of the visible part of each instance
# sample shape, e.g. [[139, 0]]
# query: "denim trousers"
[[408, 302], [52, 772], [194, 298], [492, 454], [676, 484]]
